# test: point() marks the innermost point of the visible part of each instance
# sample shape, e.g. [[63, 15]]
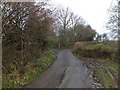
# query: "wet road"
[[66, 72]]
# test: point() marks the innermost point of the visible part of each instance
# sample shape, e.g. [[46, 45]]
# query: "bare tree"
[[65, 17], [25, 28], [112, 23]]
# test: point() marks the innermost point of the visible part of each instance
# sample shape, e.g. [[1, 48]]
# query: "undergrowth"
[[33, 69]]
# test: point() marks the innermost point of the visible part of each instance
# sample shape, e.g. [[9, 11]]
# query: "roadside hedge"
[[97, 50]]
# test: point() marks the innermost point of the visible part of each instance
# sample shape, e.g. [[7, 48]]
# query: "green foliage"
[[98, 50], [76, 34], [31, 71]]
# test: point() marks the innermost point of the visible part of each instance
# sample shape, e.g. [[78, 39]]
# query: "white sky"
[[93, 11]]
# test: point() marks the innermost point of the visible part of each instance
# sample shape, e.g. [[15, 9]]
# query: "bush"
[[97, 50]]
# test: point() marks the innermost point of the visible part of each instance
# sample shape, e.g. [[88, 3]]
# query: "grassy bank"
[[97, 50], [32, 70], [107, 75], [104, 60]]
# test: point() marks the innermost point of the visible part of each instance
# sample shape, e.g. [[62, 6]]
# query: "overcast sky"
[[94, 12]]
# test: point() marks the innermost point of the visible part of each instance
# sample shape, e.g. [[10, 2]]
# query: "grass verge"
[[31, 71], [104, 62]]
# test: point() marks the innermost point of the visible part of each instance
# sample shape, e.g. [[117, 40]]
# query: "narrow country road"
[[66, 72]]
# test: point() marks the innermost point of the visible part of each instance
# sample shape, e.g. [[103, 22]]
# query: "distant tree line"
[[71, 28]]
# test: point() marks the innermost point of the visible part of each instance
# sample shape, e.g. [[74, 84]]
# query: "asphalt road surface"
[[66, 72]]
